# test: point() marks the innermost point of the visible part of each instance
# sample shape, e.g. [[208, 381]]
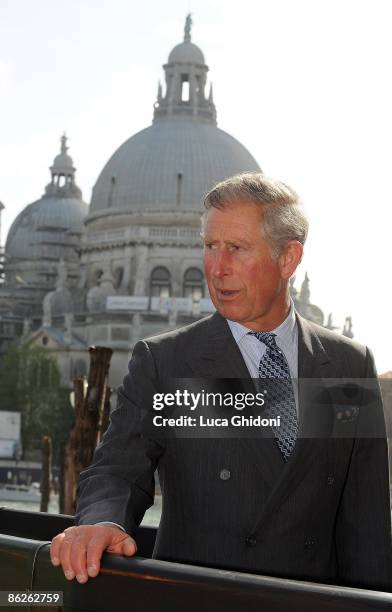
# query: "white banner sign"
[[126, 302], [129, 303], [171, 304]]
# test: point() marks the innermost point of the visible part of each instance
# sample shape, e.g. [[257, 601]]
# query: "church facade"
[[130, 264]]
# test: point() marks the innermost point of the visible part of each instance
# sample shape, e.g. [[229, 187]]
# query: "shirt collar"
[[283, 331]]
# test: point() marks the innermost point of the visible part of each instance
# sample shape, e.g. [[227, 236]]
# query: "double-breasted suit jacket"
[[233, 502]]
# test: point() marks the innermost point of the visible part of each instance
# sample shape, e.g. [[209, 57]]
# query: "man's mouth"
[[227, 294]]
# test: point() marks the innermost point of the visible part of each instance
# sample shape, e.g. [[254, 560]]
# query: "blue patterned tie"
[[281, 400]]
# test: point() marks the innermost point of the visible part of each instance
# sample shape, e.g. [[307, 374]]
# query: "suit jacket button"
[[330, 480], [251, 540], [309, 542], [224, 474]]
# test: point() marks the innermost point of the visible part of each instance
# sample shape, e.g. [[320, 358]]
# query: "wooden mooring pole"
[[46, 475], [91, 413]]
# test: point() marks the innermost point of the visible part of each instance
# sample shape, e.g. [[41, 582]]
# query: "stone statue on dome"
[[188, 27]]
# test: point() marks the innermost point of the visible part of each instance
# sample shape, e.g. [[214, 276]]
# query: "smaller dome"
[[39, 226], [186, 53], [52, 221], [62, 163]]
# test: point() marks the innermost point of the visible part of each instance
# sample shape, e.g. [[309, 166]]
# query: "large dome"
[[169, 166], [36, 230]]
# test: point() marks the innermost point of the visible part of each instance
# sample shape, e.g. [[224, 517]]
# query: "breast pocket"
[[345, 420]]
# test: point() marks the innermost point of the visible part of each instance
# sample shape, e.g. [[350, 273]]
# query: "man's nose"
[[222, 264]]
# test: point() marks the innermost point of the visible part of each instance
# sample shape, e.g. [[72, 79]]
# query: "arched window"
[[185, 88], [160, 285], [193, 284]]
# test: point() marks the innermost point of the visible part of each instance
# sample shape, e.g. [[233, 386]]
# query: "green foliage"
[[30, 383]]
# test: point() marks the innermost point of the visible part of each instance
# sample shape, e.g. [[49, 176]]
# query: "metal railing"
[[144, 584]]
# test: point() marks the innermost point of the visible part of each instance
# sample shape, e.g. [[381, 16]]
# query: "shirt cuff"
[[111, 523]]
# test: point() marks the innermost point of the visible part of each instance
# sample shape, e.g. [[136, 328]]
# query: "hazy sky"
[[303, 84]]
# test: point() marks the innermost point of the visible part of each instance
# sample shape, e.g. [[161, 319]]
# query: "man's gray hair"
[[283, 216]]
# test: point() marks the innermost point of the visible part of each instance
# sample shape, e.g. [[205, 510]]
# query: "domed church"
[[43, 238], [131, 265]]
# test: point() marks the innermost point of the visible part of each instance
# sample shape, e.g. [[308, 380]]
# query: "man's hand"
[[79, 549]]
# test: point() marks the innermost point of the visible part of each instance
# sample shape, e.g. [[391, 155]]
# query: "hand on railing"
[[79, 549]]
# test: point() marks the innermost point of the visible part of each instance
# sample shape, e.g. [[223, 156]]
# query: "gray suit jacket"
[[233, 502]]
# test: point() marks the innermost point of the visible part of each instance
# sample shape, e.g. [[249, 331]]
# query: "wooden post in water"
[[89, 415], [94, 402], [46, 473], [71, 448]]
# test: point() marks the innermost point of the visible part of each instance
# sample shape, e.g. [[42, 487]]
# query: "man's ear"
[[290, 258]]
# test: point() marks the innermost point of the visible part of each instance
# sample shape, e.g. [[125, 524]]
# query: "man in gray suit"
[[306, 500]]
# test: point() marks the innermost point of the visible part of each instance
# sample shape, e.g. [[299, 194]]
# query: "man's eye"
[[235, 247]]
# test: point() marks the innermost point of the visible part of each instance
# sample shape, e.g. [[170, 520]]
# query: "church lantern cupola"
[[63, 175], [186, 78]]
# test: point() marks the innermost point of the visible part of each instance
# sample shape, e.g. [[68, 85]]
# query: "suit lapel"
[[219, 355]]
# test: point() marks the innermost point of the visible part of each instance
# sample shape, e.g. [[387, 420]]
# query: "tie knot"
[[266, 337]]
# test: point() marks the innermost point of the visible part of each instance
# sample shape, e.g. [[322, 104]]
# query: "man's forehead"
[[233, 229], [239, 221]]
